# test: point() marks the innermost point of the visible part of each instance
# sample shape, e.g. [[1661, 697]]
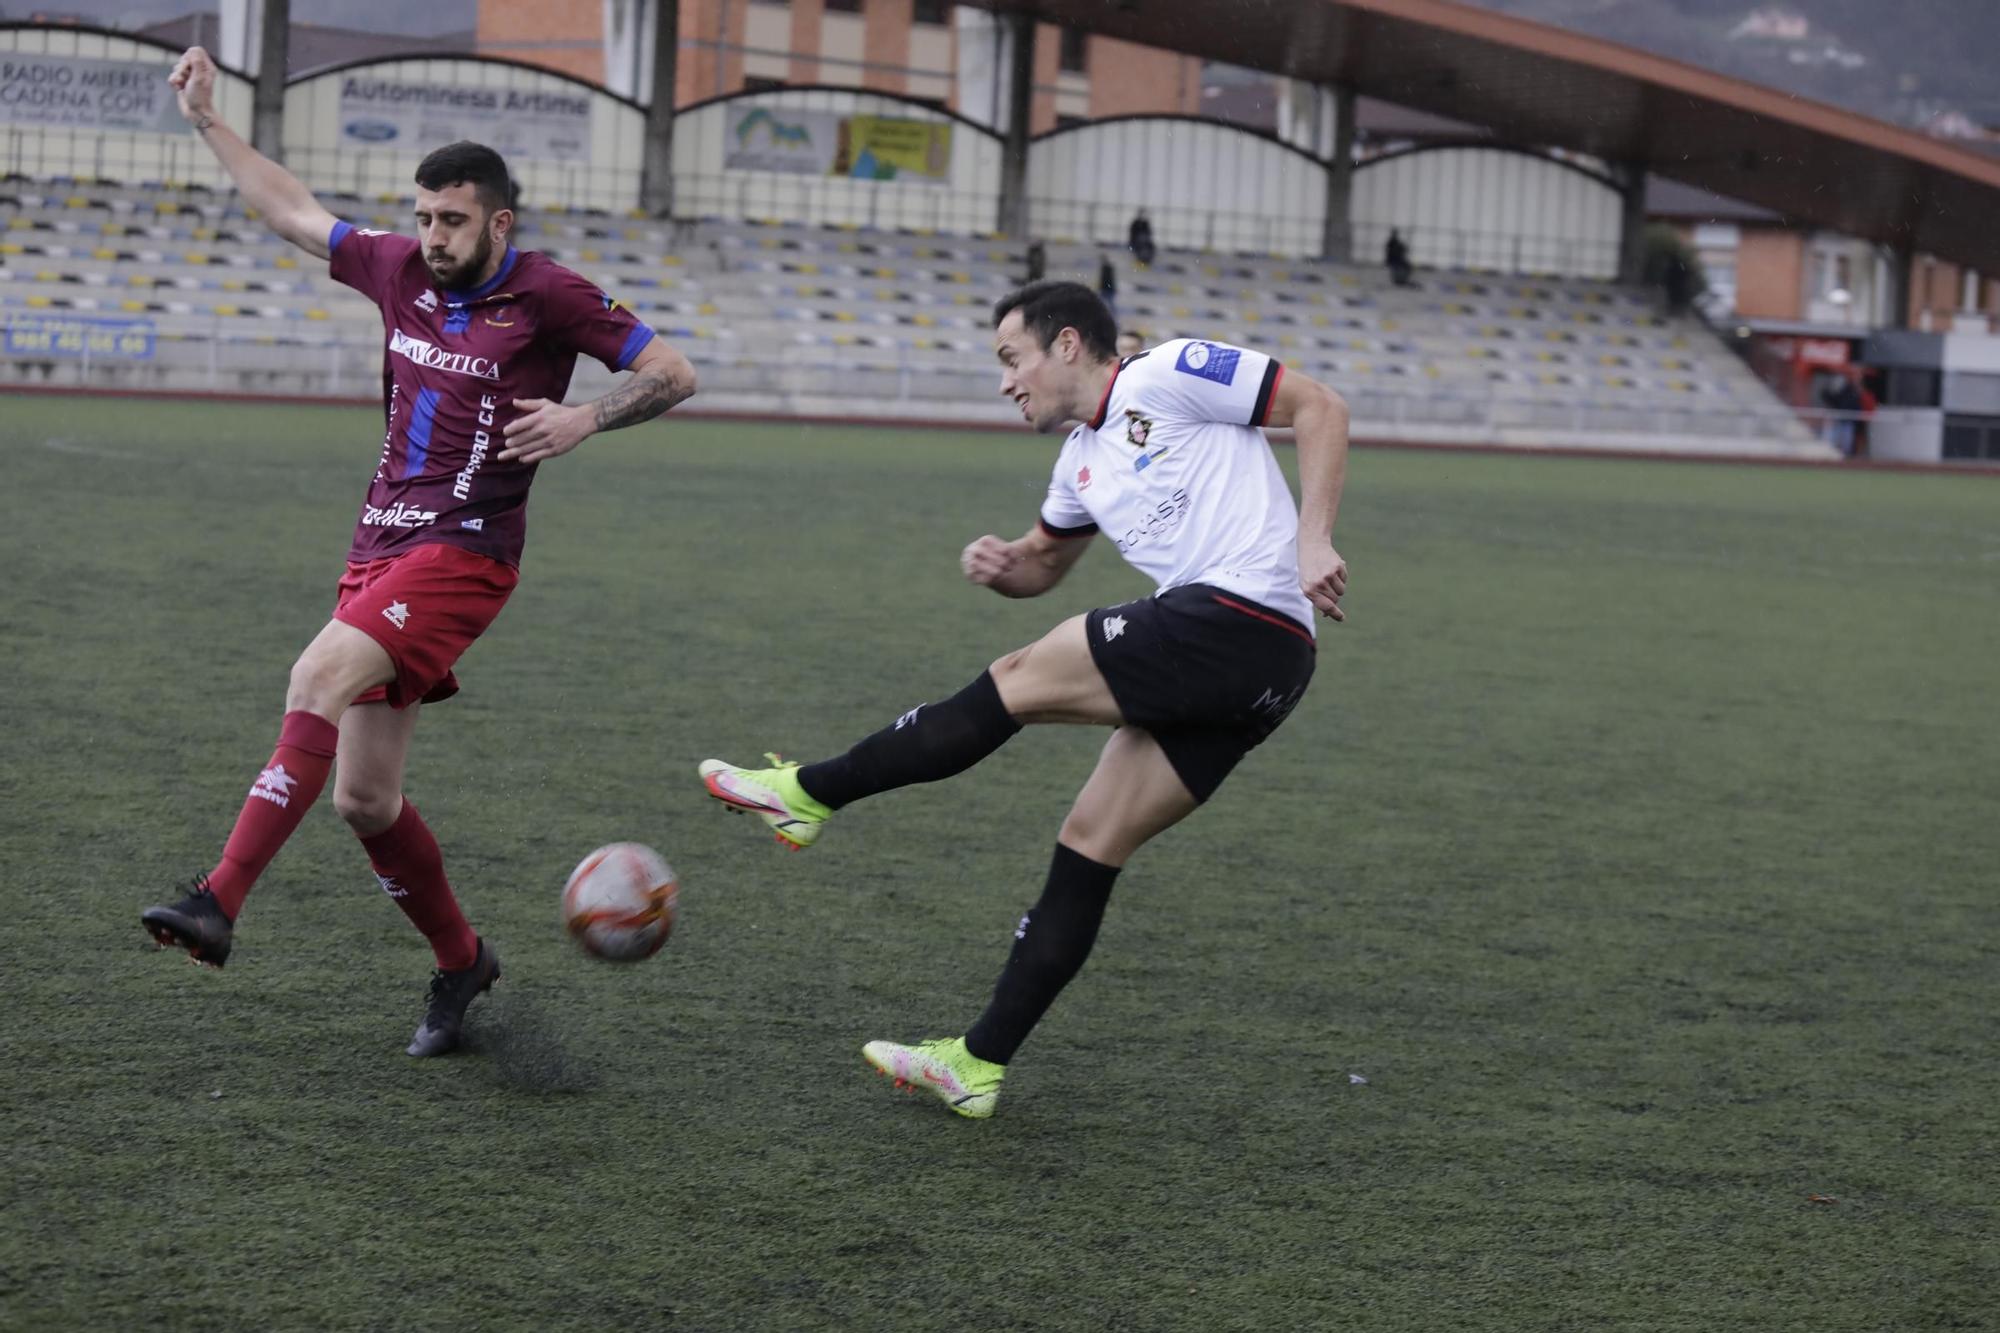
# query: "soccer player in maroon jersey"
[[481, 340]]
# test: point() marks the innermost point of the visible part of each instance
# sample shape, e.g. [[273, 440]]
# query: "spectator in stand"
[[1107, 284], [1130, 343], [1038, 260], [1139, 238], [1396, 255], [1679, 284], [1843, 397]]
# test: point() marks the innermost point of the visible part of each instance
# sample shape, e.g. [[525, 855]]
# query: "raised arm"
[[1317, 417], [1027, 567], [284, 202]]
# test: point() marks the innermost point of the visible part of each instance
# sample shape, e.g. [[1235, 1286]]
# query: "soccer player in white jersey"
[[1171, 464]]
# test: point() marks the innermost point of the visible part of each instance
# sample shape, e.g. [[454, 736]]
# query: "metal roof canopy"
[[1534, 84]]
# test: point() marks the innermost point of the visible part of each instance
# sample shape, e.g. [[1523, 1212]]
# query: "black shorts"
[[1208, 673]]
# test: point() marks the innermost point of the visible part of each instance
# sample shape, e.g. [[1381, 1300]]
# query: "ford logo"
[[371, 131]]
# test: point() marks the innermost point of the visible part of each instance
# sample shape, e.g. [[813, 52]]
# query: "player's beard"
[[460, 277]]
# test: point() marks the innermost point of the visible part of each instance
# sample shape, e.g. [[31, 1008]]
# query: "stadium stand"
[[806, 320]]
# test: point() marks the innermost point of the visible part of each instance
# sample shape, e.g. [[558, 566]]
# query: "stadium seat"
[[861, 311]]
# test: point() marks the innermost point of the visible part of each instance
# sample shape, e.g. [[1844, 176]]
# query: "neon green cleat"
[[773, 794], [943, 1068]]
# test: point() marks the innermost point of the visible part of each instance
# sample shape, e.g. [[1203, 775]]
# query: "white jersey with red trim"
[[1175, 470]]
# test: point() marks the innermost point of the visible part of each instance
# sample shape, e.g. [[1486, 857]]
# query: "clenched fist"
[[988, 559], [193, 82]]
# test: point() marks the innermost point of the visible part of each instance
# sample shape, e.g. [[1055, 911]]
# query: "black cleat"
[[195, 923], [452, 993]]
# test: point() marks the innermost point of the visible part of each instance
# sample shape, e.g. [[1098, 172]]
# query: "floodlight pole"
[[1020, 102], [267, 117], [656, 178], [1632, 226], [1337, 238]]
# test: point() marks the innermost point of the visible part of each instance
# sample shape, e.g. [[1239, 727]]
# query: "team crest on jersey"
[[1137, 428]]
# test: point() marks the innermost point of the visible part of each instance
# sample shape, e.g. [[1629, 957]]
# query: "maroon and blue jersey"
[[452, 368]]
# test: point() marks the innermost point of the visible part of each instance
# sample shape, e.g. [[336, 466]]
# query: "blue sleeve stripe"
[[634, 343], [337, 235]]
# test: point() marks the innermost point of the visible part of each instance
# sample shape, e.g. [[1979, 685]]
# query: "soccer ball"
[[619, 902]]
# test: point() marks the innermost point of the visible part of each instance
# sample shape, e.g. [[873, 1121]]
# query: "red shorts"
[[425, 608]]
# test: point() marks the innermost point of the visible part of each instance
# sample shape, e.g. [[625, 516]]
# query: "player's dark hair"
[[468, 163], [1052, 305]]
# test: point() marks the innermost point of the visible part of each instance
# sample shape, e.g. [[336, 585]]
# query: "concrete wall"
[[1487, 208], [1907, 435], [1205, 185]]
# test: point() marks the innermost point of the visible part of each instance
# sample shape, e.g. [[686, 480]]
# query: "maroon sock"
[[407, 861], [278, 800]]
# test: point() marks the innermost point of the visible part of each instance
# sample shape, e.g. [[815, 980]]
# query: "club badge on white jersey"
[[1175, 470]]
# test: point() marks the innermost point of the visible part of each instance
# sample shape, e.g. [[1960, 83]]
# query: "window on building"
[[1064, 120], [757, 83], [1073, 50], [930, 11], [1720, 268], [1833, 277], [843, 6]]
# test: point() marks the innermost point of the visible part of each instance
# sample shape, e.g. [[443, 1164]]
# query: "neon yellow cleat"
[[773, 794], [943, 1068]]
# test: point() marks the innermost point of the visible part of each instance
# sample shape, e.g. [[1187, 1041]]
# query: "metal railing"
[[207, 356], [834, 200], [38, 151], [221, 356], [1227, 230], [43, 152], [544, 184], [1490, 251], [1180, 226]]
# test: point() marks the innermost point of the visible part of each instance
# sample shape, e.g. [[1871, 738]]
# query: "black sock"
[[930, 742], [1053, 940]]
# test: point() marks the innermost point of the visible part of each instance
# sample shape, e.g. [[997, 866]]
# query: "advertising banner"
[[417, 117], [825, 143], [78, 335], [763, 138], [89, 94], [885, 148]]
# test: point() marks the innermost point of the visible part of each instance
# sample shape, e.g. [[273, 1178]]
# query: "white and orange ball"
[[619, 902]]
